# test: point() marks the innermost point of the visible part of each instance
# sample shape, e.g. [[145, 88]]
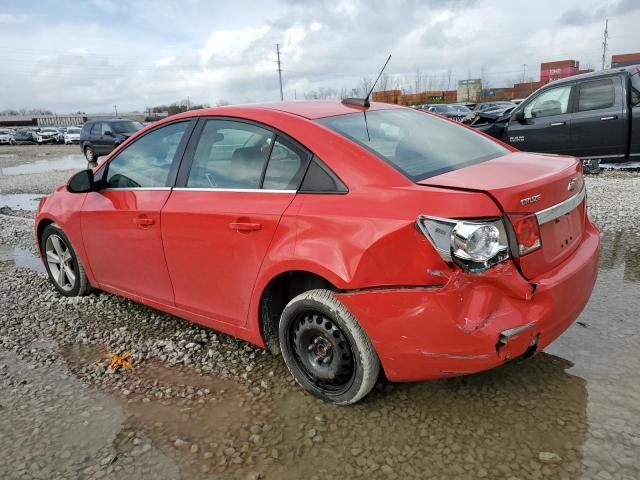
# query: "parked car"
[[24, 137], [351, 243], [100, 137], [48, 135], [486, 106], [462, 109], [5, 135], [594, 116], [72, 135], [447, 111]]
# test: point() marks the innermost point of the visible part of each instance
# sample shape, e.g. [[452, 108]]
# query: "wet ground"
[[197, 404]]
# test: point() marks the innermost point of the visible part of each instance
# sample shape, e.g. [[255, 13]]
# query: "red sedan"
[[351, 239]]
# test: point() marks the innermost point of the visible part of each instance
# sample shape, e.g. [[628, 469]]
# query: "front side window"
[[230, 155], [554, 101], [596, 95], [147, 161], [416, 144]]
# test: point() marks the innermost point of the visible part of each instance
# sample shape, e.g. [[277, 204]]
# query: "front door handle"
[[245, 226], [609, 117], [144, 221], [558, 124]]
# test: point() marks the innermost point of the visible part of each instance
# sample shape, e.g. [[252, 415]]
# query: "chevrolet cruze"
[[356, 240]]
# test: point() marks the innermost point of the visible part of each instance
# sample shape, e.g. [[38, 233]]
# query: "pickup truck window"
[[554, 101], [596, 95], [635, 88]]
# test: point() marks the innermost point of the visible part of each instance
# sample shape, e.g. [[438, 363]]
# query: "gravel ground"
[[200, 404]]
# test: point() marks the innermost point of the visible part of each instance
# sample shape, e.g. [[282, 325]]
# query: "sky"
[[88, 56]]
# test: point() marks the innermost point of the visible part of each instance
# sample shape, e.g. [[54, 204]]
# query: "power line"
[[604, 42], [279, 70]]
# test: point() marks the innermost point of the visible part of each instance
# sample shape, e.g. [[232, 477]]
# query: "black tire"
[[89, 154], [80, 285], [326, 350]]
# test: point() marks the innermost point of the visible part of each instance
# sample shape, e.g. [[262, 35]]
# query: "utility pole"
[[604, 42], [524, 73], [279, 70], [115, 108]]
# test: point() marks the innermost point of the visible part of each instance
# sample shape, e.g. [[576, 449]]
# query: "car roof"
[[601, 73], [310, 109]]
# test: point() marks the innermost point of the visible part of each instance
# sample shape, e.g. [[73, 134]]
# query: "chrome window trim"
[[556, 211], [133, 188], [239, 190]]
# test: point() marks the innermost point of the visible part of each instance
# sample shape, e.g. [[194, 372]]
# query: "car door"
[[545, 122], [220, 219], [108, 139], [600, 126], [121, 223], [95, 137]]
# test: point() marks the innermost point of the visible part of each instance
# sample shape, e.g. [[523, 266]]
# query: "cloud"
[[89, 56]]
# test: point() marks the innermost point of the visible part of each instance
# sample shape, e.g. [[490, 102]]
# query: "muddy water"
[[572, 412], [20, 201], [60, 163], [20, 257]]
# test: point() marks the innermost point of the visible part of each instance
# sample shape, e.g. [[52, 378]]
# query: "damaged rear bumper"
[[474, 322]]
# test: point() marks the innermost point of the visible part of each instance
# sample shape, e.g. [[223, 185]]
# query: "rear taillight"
[[527, 232]]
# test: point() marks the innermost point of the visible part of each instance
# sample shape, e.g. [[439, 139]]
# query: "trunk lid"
[[525, 183]]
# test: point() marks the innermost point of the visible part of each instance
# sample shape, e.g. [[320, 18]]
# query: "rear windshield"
[[417, 144], [125, 126]]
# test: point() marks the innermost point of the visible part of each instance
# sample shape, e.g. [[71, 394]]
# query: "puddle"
[[66, 162], [20, 201], [21, 258]]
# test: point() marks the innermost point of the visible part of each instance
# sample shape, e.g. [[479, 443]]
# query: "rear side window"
[[147, 161], [596, 95], [230, 155], [286, 167], [96, 129], [417, 144], [635, 87]]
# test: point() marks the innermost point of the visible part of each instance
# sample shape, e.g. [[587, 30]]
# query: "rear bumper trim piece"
[[556, 211]]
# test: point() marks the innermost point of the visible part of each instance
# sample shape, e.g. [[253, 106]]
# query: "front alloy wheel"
[[325, 348], [64, 269]]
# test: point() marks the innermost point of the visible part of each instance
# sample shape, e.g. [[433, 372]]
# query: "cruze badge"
[[530, 200]]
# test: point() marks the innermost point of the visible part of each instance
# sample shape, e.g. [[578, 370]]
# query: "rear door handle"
[[245, 226], [609, 117], [144, 221], [558, 124]]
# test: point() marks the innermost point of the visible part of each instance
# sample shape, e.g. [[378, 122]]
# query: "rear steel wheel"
[[322, 351], [325, 348], [89, 154]]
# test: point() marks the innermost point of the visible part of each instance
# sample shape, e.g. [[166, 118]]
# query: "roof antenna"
[[364, 102]]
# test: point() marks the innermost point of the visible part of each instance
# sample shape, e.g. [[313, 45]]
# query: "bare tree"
[[365, 86], [222, 103], [384, 82], [448, 79], [418, 81]]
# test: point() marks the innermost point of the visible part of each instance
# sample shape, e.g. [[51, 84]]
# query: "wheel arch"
[[277, 293]]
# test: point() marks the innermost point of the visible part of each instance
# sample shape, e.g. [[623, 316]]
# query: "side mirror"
[[108, 133], [519, 116], [82, 182]]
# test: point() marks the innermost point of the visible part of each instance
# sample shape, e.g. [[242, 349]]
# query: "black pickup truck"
[[594, 116]]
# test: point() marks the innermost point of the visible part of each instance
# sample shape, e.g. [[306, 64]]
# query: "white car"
[[72, 135], [6, 135], [48, 135]]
